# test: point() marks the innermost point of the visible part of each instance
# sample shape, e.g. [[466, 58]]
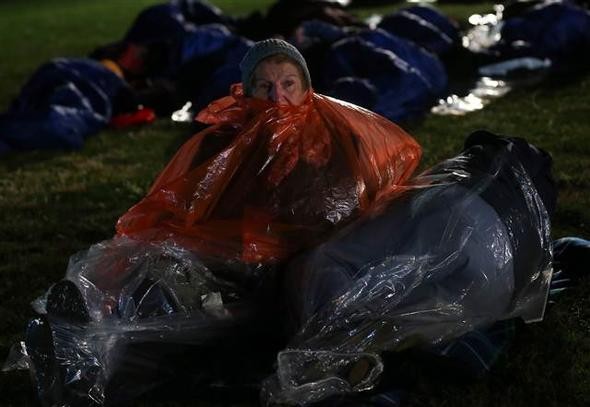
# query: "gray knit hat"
[[264, 49]]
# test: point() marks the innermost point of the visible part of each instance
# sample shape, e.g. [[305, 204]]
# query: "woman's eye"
[[288, 84], [265, 87]]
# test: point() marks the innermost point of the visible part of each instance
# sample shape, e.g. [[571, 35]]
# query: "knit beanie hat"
[[264, 49]]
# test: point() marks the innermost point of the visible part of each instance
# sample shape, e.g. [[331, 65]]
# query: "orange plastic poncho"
[[266, 180]]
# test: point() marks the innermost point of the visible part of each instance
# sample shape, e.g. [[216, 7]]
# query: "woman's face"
[[280, 82]]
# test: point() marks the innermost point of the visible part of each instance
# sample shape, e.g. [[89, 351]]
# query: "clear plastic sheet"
[[149, 305], [438, 262], [18, 358], [459, 247], [484, 91], [484, 33], [129, 279], [184, 114], [486, 30]]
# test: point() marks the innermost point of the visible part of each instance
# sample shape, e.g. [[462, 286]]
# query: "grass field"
[[53, 204]]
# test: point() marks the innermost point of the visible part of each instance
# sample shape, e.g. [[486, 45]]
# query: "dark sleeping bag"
[[65, 101]]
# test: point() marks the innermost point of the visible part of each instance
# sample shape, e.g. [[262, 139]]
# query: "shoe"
[[66, 302], [45, 370], [50, 378]]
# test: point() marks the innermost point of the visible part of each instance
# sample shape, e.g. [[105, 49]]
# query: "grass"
[[53, 204]]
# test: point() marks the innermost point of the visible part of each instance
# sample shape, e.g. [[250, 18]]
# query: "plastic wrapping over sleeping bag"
[[467, 245], [262, 183], [267, 181]]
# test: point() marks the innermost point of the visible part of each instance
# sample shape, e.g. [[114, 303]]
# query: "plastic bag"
[[467, 245], [266, 181], [155, 311]]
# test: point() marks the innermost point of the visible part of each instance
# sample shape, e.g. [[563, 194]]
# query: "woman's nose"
[[277, 95]]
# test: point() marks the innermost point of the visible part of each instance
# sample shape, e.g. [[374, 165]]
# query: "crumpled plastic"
[[273, 180], [467, 245], [459, 247], [149, 306], [266, 181], [483, 92]]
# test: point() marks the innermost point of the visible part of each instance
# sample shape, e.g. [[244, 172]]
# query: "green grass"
[[53, 204]]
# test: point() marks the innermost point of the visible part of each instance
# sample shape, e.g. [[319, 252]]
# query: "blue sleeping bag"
[[161, 29], [557, 31], [162, 22], [210, 57], [405, 77], [425, 26], [178, 26], [64, 101], [200, 12], [202, 54]]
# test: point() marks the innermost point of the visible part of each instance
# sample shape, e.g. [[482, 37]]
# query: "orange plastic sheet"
[[266, 180]]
